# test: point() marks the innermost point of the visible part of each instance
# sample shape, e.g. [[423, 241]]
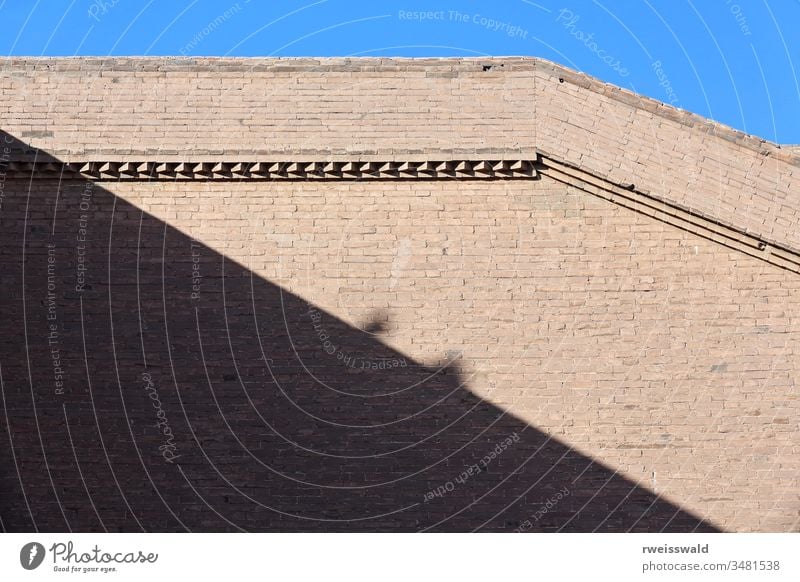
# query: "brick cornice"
[[357, 169]]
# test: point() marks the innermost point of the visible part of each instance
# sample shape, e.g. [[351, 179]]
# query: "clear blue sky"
[[736, 61]]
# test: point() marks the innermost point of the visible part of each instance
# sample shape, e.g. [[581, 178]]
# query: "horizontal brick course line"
[[197, 155], [670, 213]]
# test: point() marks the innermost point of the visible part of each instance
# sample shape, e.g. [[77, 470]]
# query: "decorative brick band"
[[624, 195], [286, 170]]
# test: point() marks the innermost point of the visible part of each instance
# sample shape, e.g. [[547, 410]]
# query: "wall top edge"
[[434, 66], [258, 64]]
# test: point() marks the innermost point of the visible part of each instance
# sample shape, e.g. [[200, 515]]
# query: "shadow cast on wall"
[[149, 383]]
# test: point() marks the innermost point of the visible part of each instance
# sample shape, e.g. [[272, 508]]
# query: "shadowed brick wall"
[[668, 357]]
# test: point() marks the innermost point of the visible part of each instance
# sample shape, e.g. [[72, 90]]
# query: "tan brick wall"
[[709, 168], [667, 359], [301, 107], [663, 355]]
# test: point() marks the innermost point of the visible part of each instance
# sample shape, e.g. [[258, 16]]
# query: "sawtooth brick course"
[[369, 108]]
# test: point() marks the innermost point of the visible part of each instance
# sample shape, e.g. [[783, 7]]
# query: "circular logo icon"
[[31, 555]]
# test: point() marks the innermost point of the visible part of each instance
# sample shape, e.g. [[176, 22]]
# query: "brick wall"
[[340, 355], [726, 175], [378, 108], [303, 107]]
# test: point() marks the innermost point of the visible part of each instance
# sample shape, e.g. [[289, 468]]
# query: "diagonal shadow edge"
[[269, 431]]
